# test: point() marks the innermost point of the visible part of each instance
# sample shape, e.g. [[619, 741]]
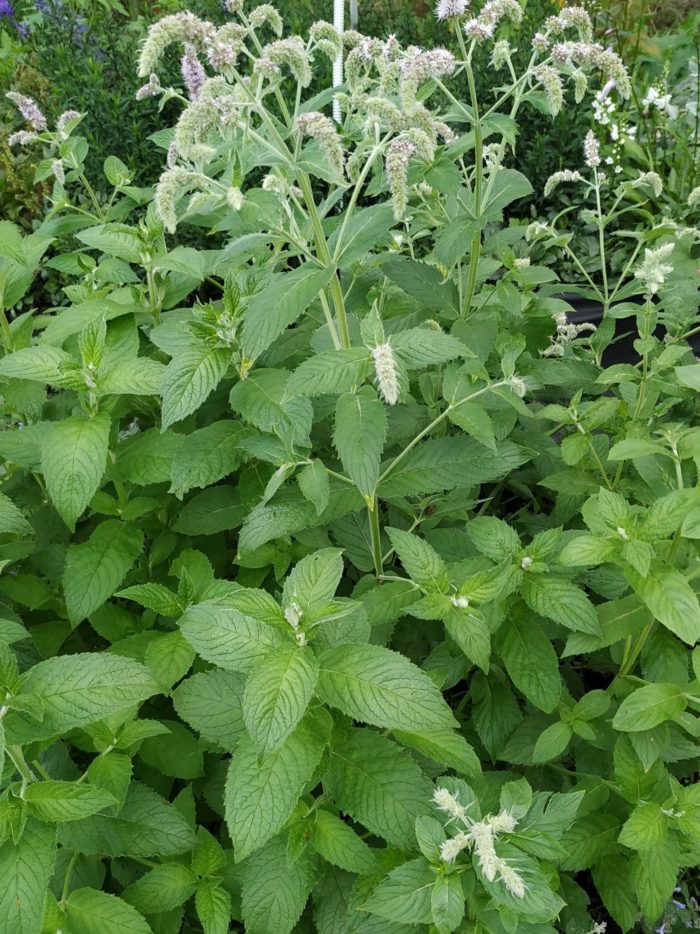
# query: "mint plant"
[[343, 589]]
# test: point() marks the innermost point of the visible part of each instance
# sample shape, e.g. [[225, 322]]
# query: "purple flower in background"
[[6, 9]]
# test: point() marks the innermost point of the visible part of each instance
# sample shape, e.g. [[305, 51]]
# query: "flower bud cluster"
[[29, 110], [326, 38], [386, 372], [448, 9], [322, 129], [289, 53], [558, 178], [480, 838], [485, 24], [266, 15], [652, 271]]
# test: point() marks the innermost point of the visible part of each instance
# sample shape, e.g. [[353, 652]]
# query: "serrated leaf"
[[552, 742], [88, 910], [379, 785], [420, 560], [161, 889], [73, 459], [40, 364], [154, 597], [146, 826], [405, 894], [282, 300], [75, 690], [65, 801], [645, 828], [313, 581], [561, 601], [277, 694], [670, 598], [340, 845], [260, 400], [260, 797], [213, 904], [95, 569], [444, 746], [25, 869], [366, 228], [649, 706], [448, 463], [359, 435], [334, 371], [226, 637], [212, 703], [273, 892], [375, 685], [206, 456], [314, 484], [530, 661], [11, 519], [189, 379], [447, 903], [421, 347]]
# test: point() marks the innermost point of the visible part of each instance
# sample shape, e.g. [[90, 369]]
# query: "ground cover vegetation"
[[345, 587]]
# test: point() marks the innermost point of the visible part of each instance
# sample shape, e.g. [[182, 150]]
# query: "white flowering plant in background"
[[344, 589]]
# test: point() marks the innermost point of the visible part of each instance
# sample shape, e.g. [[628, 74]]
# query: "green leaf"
[[73, 459], [653, 876], [649, 706], [161, 889], [631, 448], [552, 742], [340, 845], [260, 797], [88, 911], [379, 785], [273, 892], [645, 828], [561, 601], [333, 371], [670, 598], [95, 569], [447, 903], [11, 519], [212, 703], [493, 537], [75, 690], [112, 772], [146, 826], [154, 597], [471, 634], [381, 687], [420, 560], [405, 895], [190, 377], [447, 463], [359, 436], [40, 364], [226, 637], [475, 420], [207, 455], [314, 484], [148, 457], [277, 694], [260, 400], [25, 869], [313, 581], [138, 377], [279, 303], [421, 347], [366, 228], [530, 661], [444, 746], [213, 904], [65, 801]]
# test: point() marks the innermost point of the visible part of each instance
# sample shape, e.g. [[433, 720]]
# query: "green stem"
[[601, 243], [376, 536], [478, 183], [66, 880]]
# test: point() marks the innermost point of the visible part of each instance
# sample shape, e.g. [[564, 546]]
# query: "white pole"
[[339, 23], [353, 14]]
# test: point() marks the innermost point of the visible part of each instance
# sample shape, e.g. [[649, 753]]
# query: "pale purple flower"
[[193, 73], [28, 108]]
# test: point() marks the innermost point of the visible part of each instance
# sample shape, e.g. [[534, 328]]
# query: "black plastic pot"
[[621, 348]]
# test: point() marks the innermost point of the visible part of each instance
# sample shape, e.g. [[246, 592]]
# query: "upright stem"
[[376, 536], [478, 182], [601, 243]]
